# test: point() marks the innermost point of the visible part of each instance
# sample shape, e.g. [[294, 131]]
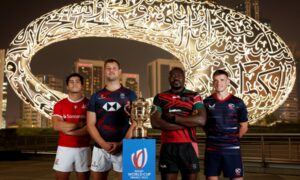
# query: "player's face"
[[112, 71], [74, 85], [220, 83], [176, 79]]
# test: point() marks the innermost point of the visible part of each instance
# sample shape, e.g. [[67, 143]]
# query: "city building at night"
[[3, 92], [158, 73], [92, 72], [131, 81], [32, 118], [289, 111]]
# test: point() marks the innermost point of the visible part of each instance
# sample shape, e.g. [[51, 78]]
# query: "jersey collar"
[[72, 101], [221, 100]]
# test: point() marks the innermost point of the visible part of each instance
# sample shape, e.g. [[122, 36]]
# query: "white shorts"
[[103, 161], [72, 159]]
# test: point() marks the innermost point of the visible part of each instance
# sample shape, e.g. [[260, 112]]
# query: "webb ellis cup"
[[140, 112]]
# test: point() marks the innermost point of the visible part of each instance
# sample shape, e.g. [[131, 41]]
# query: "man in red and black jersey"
[[69, 118], [227, 122], [179, 112]]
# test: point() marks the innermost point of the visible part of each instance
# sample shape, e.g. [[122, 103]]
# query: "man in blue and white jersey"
[[227, 122]]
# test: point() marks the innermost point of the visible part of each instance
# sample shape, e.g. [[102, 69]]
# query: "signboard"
[[139, 159]]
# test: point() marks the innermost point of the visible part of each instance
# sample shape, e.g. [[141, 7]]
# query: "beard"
[[111, 78], [176, 85]]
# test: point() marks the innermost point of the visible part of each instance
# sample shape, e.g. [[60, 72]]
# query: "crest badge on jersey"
[[238, 171], [231, 106], [122, 95]]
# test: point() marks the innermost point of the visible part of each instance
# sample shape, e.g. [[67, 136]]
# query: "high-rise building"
[[92, 72], [32, 118], [157, 75], [131, 81], [289, 111], [249, 8], [3, 91]]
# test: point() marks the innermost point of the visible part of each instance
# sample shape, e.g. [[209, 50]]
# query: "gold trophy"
[[140, 111]]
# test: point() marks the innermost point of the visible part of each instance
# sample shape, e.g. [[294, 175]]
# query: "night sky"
[[17, 14]]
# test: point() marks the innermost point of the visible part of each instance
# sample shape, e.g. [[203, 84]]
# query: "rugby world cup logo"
[[139, 159]]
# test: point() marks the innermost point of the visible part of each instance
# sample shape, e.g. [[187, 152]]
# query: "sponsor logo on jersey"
[[101, 97], [175, 97], [111, 106], [72, 116], [186, 99], [139, 159], [212, 107]]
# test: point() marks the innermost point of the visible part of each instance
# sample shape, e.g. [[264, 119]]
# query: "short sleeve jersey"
[[223, 123], [72, 112], [112, 122], [181, 104]]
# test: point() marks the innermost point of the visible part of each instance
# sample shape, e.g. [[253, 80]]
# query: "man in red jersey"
[[69, 118], [179, 112]]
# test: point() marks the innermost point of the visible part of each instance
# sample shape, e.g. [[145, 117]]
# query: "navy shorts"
[[230, 164], [176, 157]]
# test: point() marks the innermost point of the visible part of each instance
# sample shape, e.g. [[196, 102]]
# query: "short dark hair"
[[74, 75], [220, 72], [177, 69], [111, 60]]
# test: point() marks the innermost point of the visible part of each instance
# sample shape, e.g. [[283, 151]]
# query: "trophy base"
[[139, 133]]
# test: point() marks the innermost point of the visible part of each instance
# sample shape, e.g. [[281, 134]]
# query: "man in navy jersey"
[[69, 118], [179, 112], [227, 118], [108, 123]]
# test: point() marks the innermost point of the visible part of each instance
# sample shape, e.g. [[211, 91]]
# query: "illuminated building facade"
[[289, 111], [157, 75], [131, 81], [92, 72], [261, 66], [3, 92]]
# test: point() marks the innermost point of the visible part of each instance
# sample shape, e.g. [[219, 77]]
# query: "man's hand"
[[107, 146], [116, 147]]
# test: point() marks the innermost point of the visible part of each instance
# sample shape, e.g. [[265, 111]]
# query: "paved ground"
[[40, 168]]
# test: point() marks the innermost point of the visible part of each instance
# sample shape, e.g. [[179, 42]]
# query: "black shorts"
[[176, 157], [230, 164]]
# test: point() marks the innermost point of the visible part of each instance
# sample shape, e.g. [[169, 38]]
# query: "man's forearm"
[[78, 132], [63, 126], [191, 121]]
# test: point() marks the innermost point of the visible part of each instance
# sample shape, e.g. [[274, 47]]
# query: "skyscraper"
[[249, 8], [32, 118], [131, 81], [92, 72], [289, 111], [157, 75], [3, 91]]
